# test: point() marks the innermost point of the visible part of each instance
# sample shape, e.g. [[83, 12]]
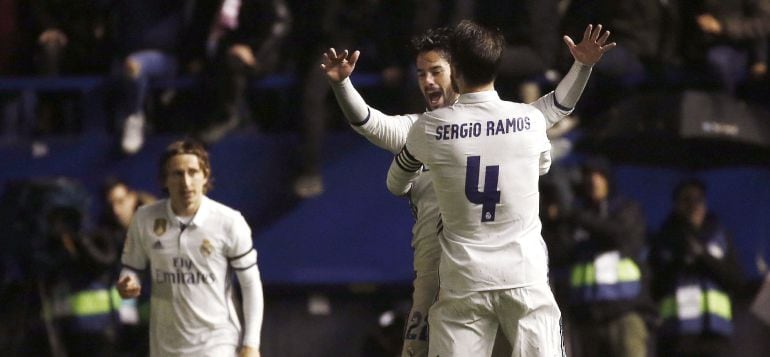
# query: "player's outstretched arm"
[[386, 131], [586, 53], [338, 68]]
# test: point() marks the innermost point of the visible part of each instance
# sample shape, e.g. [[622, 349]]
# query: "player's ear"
[[454, 76]]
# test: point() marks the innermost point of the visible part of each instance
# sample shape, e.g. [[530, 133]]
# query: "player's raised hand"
[[591, 47], [128, 288], [339, 66]]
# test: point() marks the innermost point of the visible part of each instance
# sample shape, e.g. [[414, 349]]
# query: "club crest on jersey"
[[160, 226], [206, 248]]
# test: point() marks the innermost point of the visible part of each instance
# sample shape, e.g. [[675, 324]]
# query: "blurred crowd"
[[625, 291], [191, 66], [627, 288]]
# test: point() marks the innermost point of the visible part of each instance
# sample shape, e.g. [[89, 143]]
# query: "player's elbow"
[[396, 188], [399, 180]]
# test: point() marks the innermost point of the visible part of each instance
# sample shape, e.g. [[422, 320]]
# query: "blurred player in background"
[[192, 244], [390, 132]]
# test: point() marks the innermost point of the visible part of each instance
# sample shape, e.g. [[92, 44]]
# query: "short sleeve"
[[134, 255], [544, 144], [240, 252]]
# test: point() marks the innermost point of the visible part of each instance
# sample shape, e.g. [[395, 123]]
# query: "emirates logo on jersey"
[[160, 226], [206, 248]]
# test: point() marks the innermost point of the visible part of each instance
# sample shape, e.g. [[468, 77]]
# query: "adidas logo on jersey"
[[157, 245]]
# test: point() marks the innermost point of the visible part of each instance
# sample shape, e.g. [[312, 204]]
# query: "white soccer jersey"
[[484, 163], [390, 132], [192, 312]]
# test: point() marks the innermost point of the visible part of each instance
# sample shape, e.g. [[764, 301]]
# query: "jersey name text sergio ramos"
[[474, 130]]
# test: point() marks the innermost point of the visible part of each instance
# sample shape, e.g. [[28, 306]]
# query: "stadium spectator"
[[70, 37], [58, 38], [695, 277], [725, 40], [78, 301], [242, 40], [648, 53], [609, 303], [148, 39], [9, 36], [531, 30], [120, 203], [343, 24]]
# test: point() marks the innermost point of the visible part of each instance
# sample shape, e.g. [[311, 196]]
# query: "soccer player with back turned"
[[484, 156]]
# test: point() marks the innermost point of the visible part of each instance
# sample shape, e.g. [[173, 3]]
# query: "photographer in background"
[[78, 302]]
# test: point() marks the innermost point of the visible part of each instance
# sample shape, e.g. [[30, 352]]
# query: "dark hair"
[[601, 165], [598, 164], [435, 39], [182, 147], [476, 52], [688, 183], [110, 183]]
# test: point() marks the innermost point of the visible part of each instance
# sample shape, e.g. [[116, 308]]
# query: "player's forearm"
[[571, 87], [399, 181], [386, 131], [560, 102], [403, 170], [351, 103], [253, 306]]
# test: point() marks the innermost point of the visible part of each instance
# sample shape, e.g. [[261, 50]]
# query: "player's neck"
[[185, 209], [465, 89]]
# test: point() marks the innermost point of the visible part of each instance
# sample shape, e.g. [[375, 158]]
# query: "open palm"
[[591, 47], [337, 67]]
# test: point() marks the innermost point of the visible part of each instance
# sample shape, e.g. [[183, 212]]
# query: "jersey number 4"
[[490, 197]]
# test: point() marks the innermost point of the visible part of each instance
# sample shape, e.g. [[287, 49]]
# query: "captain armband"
[[244, 261]]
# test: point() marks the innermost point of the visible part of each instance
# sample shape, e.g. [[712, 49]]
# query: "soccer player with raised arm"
[[484, 156], [191, 244], [390, 131]]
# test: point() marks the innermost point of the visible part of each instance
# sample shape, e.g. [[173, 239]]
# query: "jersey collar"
[[478, 97], [453, 103], [199, 217]]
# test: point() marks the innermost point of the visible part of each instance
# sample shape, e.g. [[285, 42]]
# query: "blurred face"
[[435, 80], [598, 187], [691, 204], [122, 202], [185, 182]]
